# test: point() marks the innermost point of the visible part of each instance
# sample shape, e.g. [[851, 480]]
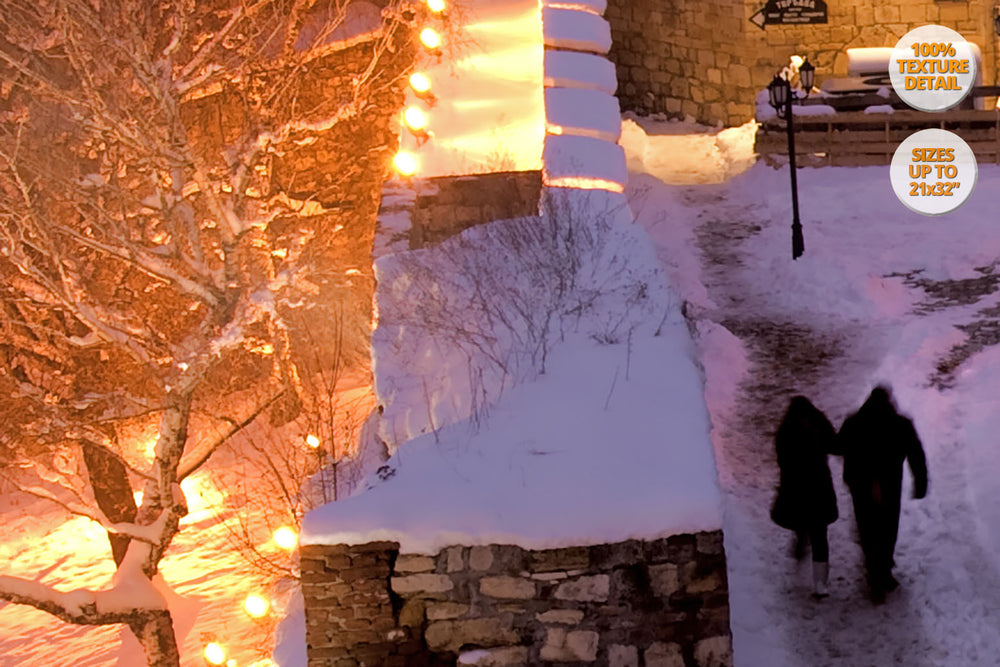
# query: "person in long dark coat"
[[875, 441], [806, 502]]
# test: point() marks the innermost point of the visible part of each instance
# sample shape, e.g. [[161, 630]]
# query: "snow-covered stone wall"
[[659, 603], [582, 118], [705, 59]]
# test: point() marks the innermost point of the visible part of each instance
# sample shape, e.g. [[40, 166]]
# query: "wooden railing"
[[856, 138]]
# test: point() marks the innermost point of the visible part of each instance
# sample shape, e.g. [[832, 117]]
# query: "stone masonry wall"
[[661, 603], [703, 58], [447, 205]]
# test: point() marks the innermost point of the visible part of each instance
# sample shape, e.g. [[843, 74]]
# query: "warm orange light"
[[420, 82], [286, 538], [312, 441], [436, 6], [430, 38], [415, 119], [405, 163], [256, 606], [215, 654]]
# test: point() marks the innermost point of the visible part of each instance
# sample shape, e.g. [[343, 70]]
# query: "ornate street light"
[[781, 96]]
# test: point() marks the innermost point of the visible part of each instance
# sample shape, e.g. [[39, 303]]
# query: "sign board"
[[790, 12]]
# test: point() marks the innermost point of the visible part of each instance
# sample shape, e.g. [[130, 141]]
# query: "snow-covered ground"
[[727, 247]]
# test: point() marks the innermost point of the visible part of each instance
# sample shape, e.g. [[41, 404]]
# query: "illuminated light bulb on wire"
[[405, 163], [286, 538], [420, 82], [415, 119], [436, 6], [215, 654], [421, 85], [430, 39], [256, 606], [312, 441]]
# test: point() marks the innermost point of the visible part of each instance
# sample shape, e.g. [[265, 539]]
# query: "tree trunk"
[[113, 493], [155, 632]]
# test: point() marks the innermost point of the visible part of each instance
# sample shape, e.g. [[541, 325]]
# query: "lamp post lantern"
[[780, 95]]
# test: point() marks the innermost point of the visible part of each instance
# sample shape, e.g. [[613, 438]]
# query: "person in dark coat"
[[806, 502], [875, 441]]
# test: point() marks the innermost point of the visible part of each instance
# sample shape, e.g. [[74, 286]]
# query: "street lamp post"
[[781, 96]]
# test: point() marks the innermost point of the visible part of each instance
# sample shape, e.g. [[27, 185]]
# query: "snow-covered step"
[[585, 113], [592, 6], [569, 69], [575, 30], [584, 162]]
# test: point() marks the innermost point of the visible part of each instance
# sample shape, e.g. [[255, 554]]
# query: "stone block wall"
[[705, 59], [446, 205], [660, 603]]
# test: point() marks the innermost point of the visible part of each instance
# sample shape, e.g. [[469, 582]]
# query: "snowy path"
[[949, 601]]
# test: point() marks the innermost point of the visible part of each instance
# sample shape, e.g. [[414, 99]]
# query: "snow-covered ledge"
[[582, 117], [607, 452]]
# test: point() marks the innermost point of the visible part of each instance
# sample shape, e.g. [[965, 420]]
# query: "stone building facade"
[[705, 59], [657, 603]]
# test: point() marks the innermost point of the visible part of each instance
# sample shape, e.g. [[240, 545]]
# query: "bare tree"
[[154, 235]]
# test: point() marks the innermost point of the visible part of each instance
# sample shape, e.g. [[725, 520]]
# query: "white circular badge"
[[933, 172], [932, 68]]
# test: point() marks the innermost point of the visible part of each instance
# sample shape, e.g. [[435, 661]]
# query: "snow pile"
[[679, 152], [609, 443]]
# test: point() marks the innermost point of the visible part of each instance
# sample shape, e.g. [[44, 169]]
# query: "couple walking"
[[874, 441]]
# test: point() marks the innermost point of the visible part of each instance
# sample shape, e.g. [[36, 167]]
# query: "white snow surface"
[[571, 160], [610, 443], [576, 30], [585, 113], [600, 449], [859, 239], [569, 69], [592, 6]]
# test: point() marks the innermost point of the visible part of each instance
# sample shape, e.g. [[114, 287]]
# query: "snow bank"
[[684, 153], [570, 69], [610, 443]]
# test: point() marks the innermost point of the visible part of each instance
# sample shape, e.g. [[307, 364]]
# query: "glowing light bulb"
[[420, 82], [436, 6], [256, 606], [430, 38], [415, 118], [215, 654], [312, 441], [405, 163], [286, 538]]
